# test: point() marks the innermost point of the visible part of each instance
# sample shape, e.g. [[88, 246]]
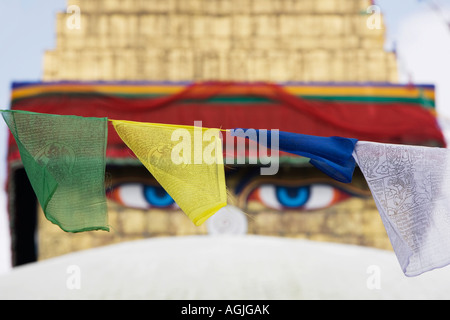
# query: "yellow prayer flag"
[[187, 161]]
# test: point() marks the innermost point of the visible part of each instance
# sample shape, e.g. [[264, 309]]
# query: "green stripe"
[[425, 102]]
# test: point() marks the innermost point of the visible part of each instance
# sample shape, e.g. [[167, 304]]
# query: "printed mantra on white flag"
[[411, 188]]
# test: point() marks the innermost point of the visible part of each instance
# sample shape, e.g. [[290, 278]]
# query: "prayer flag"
[[64, 158], [331, 155], [186, 161], [411, 188]]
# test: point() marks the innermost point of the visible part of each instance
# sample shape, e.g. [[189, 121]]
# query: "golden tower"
[[241, 40], [228, 40]]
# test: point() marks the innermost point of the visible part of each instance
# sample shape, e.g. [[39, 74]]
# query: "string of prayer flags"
[[331, 155], [64, 158], [187, 161], [411, 188]]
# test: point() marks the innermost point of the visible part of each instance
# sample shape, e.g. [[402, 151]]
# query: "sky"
[[419, 34], [27, 29]]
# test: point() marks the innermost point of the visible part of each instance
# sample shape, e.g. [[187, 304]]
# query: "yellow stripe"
[[30, 91], [362, 91], [295, 90]]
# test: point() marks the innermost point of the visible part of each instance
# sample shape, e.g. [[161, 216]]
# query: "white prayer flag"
[[411, 188]]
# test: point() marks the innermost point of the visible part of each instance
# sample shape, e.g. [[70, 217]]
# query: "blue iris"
[[292, 197], [157, 196]]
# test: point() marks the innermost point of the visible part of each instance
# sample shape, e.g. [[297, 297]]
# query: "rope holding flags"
[[64, 158]]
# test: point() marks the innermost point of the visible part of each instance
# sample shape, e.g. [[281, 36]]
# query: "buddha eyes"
[[141, 196], [277, 197], [309, 197]]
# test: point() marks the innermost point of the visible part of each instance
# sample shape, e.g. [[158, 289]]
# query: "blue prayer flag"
[[331, 155]]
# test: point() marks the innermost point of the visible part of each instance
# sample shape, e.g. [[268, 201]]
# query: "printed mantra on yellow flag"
[[191, 172]]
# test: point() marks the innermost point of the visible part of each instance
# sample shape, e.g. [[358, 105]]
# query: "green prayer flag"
[[64, 158]]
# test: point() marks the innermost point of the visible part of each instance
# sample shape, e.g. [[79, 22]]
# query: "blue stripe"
[[21, 84]]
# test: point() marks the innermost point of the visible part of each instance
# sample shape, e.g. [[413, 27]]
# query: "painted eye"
[[310, 197], [157, 196], [292, 197], [141, 196]]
